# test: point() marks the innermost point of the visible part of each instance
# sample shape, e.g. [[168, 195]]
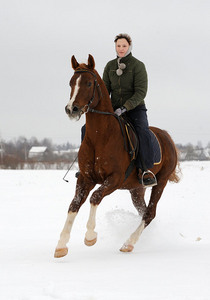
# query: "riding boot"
[[147, 178]]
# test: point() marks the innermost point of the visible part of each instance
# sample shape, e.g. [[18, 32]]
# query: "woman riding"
[[126, 80]]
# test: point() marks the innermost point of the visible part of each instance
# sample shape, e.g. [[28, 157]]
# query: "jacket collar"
[[125, 58]]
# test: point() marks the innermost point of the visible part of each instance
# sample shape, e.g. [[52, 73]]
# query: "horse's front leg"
[[110, 185], [91, 235], [82, 190], [61, 248]]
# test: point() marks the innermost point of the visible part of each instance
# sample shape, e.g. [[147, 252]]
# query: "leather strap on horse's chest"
[[132, 149], [132, 145], [130, 169]]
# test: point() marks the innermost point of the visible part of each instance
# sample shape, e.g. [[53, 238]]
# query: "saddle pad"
[[156, 147]]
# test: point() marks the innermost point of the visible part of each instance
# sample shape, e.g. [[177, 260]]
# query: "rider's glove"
[[120, 111]]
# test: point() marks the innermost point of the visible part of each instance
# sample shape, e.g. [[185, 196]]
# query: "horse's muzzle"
[[67, 110], [74, 112], [75, 109]]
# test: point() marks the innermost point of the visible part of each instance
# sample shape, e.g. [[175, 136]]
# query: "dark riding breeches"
[[138, 118]]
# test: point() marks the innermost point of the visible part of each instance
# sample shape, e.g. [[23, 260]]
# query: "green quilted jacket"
[[129, 89]]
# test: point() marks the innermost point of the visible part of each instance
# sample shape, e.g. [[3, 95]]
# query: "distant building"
[[66, 153], [38, 153]]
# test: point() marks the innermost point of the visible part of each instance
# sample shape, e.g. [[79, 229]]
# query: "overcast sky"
[[38, 38]]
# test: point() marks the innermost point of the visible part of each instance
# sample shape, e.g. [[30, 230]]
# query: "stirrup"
[[152, 181]]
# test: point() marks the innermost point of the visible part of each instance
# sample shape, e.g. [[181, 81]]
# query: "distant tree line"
[[190, 152], [14, 154]]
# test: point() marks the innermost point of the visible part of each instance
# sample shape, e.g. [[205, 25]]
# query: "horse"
[[103, 159]]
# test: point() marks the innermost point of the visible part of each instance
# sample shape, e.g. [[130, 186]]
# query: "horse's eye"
[[89, 84]]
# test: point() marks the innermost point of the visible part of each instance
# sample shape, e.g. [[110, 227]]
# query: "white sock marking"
[[91, 224], [65, 234], [136, 234]]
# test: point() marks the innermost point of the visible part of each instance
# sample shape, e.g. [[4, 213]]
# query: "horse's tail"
[[176, 174]]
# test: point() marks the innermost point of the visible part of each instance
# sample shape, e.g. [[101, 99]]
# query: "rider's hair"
[[123, 36]]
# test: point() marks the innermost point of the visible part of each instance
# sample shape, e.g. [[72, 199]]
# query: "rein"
[[96, 85], [114, 115]]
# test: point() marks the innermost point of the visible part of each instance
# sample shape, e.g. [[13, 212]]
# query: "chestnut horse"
[[103, 159]]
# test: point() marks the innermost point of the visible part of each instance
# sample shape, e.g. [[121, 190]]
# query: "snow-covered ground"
[[170, 261]]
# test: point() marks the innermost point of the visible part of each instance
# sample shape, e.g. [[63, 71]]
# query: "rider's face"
[[121, 47]]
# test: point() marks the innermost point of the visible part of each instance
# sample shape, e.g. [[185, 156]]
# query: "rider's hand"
[[120, 111]]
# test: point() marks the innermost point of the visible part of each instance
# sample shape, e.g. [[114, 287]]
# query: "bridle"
[[89, 109], [96, 86]]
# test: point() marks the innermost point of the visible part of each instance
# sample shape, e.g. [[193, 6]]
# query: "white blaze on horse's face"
[[76, 90]]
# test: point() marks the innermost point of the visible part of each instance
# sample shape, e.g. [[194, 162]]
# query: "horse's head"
[[84, 92]]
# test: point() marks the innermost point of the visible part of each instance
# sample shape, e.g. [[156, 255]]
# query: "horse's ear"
[[91, 62], [74, 63]]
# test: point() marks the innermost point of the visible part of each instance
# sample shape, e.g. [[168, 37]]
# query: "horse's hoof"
[[60, 252], [90, 243], [126, 248]]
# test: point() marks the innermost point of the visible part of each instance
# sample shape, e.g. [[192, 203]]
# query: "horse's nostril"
[[67, 110], [75, 108]]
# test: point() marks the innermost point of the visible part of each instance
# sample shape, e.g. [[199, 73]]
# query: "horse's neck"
[[104, 101], [99, 128], [100, 123]]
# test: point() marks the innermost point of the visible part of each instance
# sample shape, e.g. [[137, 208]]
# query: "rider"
[[126, 80]]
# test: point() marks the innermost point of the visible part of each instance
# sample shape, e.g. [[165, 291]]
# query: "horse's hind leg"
[[137, 196], [82, 191], [148, 216], [150, 212]]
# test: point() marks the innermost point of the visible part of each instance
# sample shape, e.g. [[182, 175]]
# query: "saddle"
[[132, 145]]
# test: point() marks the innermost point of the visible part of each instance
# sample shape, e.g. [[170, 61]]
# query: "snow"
[[170, 261]]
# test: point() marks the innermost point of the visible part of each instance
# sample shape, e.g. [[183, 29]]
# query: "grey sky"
[[39, 37]]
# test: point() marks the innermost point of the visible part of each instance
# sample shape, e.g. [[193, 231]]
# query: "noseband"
[[96, 85]]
